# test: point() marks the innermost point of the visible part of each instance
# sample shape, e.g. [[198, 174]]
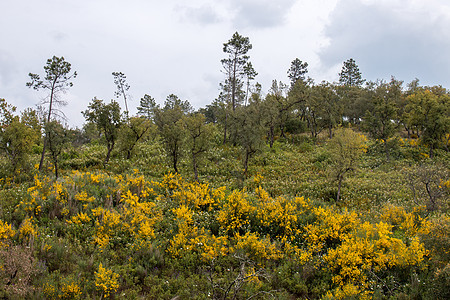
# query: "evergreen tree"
[[57, 80], [351, 92], [297, 71], [350, 74], [235, 67], [122, 88], [147, 107]]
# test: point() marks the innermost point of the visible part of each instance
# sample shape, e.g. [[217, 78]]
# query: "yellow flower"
[[6, 232], [106, 281]]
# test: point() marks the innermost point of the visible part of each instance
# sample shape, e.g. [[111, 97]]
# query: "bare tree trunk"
[[225, 128], [386, 150], [271, 133], [175, 160], [55, 163], [339, 188], [247, 154], [194, 164], [41, 163], [108, 154]]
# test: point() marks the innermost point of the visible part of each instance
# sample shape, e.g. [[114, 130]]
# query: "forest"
[[307, 191]]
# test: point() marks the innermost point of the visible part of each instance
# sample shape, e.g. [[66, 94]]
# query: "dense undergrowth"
[[133, 230]]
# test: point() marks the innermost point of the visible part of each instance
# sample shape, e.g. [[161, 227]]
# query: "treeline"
[[242, 115]]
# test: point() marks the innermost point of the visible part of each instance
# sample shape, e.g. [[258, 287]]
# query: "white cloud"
[[406, 39]]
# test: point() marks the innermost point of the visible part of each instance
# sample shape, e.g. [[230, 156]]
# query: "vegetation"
[[313, 191]]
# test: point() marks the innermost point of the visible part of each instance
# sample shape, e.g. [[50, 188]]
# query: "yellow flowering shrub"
[[235, 213], [59, 192], [50, 291], [106, 281], [169, 183], [106, 225], [192, 239], [279, 215], [6, 232], [40, 191], [331, 227], [371, 248], [410, 223], [348, 291], [70, 290], [83, 198], [257, 248], [27, 230], [139, 217], [79, 219]]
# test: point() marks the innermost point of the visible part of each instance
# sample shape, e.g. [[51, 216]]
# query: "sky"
[[175, 46]]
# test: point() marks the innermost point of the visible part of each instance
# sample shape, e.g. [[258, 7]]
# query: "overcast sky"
[[175, 46]]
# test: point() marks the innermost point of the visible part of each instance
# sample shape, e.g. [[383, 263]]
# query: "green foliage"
[[345, 148], [428, 111], [350, 74], [234, 67], [147, 106], [58, 139], [16, 138], [297, 71], [108, 120], [57, 80], [199, 138], [382, 111], [169, 120], [132, 132]]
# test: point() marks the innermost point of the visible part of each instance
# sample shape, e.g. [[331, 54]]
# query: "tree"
[[297, 97], [198, 137], [132, 132], [345, 148], [297, 71], [108, 120], [350, 74], [6, 112], [275, 109], [16, 137], [426, 183], [122, 88], [313, 105], [250, 129], [58, 139], [234, 66], [30, 118], [250, 74], [171, 127], [382, 111], [350, 91], [57, 80], [428, 110], [147, 107], [328, 106]]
